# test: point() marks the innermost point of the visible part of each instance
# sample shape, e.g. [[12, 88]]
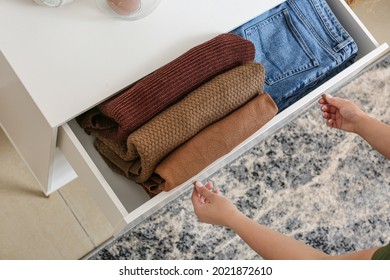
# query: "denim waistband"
[[300, 43]]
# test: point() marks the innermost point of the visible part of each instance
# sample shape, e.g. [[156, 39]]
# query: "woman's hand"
[[211, 207], [341, 113]]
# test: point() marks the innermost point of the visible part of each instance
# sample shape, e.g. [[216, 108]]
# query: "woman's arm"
[[376, 133], [213, 208], [273, 245]]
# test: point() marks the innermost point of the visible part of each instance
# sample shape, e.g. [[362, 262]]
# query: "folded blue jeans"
[[301, 44]]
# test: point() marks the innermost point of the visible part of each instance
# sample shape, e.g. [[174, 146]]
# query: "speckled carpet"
[[322, 186]]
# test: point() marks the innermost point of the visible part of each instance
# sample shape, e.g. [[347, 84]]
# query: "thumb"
[[335, 101]]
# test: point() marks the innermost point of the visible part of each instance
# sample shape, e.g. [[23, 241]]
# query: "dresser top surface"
[[73, 57]]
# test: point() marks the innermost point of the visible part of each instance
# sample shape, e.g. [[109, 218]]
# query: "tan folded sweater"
[[148, 145], [210, 144]]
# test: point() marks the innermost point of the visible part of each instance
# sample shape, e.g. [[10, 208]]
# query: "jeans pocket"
[[280, 47]]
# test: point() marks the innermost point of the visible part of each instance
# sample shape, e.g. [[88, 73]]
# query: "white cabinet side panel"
[[25, 126]]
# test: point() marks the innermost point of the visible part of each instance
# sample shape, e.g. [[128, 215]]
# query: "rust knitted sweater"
[[127, 111]]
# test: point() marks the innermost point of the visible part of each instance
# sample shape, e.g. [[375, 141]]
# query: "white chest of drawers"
[[56, 63]]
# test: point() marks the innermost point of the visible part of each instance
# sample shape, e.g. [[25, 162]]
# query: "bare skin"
[[345, 115], [213, 208]]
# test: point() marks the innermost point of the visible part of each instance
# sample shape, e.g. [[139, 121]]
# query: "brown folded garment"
[[149, 144], [210, 144], [124, 113], [116, 163]]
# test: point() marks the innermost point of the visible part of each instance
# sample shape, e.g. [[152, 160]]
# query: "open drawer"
[[125, 203]]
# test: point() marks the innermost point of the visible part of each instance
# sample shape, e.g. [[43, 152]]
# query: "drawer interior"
[[131, 194], [136, 201], [348, 19]]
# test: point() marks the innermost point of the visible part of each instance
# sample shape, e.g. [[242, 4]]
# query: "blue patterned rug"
[[322, 186]]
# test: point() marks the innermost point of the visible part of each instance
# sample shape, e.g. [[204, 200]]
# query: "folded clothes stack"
[[214, 100], [301, 45], [149, 144], [211, 83]]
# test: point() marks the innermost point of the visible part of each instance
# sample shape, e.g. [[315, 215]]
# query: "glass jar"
[[52, 3], [128, 9]]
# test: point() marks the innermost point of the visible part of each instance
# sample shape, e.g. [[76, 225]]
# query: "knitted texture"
[[149, 144], [168, 84], [210, 144]]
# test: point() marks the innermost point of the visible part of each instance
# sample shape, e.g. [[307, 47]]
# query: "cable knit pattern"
[[149, 144], [167, 85]]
